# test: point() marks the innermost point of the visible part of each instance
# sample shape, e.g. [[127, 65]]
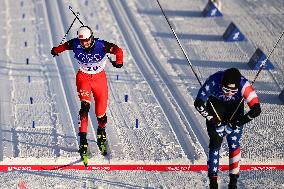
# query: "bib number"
[[92, 68]]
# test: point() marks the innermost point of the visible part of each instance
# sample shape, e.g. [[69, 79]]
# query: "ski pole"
[[70, 25], [67, 32], [258, 72], [70, 8], [76, 17], [190, 64]]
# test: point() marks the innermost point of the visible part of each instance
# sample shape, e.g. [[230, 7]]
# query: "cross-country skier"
[[224, 90], [91, 53]]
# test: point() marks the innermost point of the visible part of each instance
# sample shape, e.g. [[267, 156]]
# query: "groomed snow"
[[156, 77]]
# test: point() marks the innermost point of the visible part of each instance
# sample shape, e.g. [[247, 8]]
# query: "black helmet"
[[231, 76]]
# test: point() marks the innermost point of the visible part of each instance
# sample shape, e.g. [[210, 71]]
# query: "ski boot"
[[83, 148], [102, 141], [213, 182], [233, 181]]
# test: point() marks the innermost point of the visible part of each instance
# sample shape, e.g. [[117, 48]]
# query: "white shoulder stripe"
[[247, 84], [251, 96]]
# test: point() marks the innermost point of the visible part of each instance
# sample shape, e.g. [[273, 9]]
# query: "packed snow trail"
[[142, 104], [151, 64]]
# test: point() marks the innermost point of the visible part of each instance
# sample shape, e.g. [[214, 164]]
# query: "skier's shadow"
[[63, 166], [71, 176], [200, 37], [210, 63], [172, 13], [12, 137]]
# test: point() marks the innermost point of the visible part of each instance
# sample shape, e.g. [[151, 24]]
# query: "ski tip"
[[70, 7], [86, 165]]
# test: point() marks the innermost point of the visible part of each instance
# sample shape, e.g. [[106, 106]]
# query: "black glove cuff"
[[118, 65]]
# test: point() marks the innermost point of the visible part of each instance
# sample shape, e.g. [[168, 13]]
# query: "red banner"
[[132, 167]]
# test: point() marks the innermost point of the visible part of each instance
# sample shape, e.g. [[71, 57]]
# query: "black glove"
[[254, 112], [234, 124], [115, 64], [53, 52], [215, 121]]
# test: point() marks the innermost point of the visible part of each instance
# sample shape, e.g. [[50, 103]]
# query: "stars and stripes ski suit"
[[225, 106], [91, 77]]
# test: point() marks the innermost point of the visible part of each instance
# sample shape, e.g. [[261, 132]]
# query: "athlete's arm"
[[201, 100], [252, 100], [114, 49], [55, 51]]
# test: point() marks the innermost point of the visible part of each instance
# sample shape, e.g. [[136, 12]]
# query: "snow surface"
[[156, 77]]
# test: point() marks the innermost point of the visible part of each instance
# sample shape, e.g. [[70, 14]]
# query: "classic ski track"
[[18, 129], [126, 20]]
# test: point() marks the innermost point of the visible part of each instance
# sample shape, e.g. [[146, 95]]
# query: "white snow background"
[[156, 77]]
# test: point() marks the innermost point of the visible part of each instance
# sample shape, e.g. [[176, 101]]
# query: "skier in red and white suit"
[[91, 78]]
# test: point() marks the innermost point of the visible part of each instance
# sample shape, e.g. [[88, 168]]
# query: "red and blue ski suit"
[[91, 77]]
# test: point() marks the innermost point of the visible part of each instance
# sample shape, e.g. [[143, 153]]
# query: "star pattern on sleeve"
[[207, 87]]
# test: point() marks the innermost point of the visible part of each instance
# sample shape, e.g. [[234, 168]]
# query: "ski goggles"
[[229, 90], [85, 40]]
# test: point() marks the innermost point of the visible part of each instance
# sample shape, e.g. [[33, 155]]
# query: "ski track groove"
[[69, 128], [162, 75], [135, 135], [18, 146]]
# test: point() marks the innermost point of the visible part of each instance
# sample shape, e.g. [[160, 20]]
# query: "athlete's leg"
[[84, 111], [233, 140], [84, 91], [100, 92], [215, 142]]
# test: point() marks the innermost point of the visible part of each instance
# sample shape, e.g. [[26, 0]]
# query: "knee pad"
[[102, 121], [85, 107]]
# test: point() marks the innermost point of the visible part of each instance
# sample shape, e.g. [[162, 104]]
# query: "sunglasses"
[[229, 90]]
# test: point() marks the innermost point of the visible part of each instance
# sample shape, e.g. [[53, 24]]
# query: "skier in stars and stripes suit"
[[225, 90]]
